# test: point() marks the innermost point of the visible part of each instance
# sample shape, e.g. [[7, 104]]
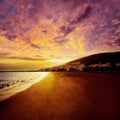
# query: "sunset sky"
[[58, 30]]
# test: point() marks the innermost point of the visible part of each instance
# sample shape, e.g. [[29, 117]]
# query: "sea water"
[[14, 82]]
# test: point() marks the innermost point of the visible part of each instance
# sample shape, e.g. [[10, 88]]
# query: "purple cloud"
[[26, 21], [35, 46]]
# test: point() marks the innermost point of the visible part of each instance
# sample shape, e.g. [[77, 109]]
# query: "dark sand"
[[67, 96]]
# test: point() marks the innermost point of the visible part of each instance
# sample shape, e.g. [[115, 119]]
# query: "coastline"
[[66, 96]]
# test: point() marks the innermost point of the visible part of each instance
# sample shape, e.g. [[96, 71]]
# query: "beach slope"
[[66, 96]]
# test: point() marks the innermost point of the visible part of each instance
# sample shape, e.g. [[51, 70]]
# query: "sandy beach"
[[67, 96]]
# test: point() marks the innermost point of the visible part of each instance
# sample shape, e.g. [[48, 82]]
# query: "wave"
[[13, 82]]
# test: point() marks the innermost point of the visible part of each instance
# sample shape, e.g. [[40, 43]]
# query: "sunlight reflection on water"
[[14, 82]]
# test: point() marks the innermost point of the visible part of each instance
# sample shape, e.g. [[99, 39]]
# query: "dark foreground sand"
[[67, 96]]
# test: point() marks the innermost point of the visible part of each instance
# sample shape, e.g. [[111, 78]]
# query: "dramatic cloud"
[[72, 24], [58, 29]]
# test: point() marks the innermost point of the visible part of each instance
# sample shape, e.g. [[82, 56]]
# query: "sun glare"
[[59, 62], [43, 75]]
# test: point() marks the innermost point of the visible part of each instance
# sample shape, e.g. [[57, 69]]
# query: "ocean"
[[14, 82]]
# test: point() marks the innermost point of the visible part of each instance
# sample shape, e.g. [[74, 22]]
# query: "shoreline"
[[66, 96]]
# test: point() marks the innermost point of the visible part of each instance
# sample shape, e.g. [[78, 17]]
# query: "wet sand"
[[67, 96]]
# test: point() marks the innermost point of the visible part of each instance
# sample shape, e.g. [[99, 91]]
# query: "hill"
[[96, 62]]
